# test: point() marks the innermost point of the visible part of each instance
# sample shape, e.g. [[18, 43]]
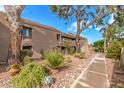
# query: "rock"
[[13, 71]]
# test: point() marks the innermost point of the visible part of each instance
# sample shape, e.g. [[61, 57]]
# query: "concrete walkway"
[[94, 75]]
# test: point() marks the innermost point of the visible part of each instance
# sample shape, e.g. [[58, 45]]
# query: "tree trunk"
[[77, 43], [15, 45], [78, 30], [13, 14], [105, 42]]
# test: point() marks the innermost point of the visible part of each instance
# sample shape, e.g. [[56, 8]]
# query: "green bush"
[[99, 46], [80, 55], [96, 49], [26, 52], [114, 50], [54, 58], [72, 50], [26, 60], [15, 66], [122, 43], [67, 59], [31, 75], [119, 85]]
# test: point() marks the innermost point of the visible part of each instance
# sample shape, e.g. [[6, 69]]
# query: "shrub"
[[114, 50], [96, 49], [42, 53], [99, 46], [48, 80], [80, 55], [119, 85], [26, 52], [31, 75], [54, 58], [122, 43], [68, 59], [71, 50], [15, 66], [26, 60]]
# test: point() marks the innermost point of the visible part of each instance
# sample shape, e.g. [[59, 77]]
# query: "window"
[[58, 37], [27, 33]]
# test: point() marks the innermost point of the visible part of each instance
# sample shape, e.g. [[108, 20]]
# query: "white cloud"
[[1, 8], [83, 35], [111, 20], [98, 28], [72, 27]]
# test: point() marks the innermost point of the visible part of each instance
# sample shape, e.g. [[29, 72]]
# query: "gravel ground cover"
[[63, 79], [68, 75]]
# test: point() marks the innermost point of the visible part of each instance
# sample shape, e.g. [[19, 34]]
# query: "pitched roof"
[[30, 23], [26, 22]]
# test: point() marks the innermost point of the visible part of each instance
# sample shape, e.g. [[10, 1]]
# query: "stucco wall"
[[43, 39], [4, 42]]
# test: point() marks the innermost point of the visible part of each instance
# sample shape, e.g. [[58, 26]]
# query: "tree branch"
[[96, 18]]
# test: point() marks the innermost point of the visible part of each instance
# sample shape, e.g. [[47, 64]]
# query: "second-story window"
[[26, 33], [58, 37]]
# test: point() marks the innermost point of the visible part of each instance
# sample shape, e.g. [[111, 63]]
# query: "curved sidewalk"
[[94, 75]]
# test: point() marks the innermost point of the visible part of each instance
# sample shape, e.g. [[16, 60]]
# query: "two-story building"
[[35, 36]]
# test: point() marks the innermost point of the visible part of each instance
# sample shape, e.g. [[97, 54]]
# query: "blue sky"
[[43, 15]]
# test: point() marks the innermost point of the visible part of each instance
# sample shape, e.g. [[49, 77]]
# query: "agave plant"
[[48, 80], [54, 58]]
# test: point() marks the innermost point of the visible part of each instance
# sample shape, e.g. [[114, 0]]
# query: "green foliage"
[[119, 85], [26, 60], [26, 52], [67, 59], [67, 45], [72, 50], [99, 45], [15, 66], [80, 55], [31, 75], [114, 50], [122, 43], [54, 58]]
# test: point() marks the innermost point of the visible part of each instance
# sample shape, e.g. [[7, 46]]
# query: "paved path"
[[94, 75]]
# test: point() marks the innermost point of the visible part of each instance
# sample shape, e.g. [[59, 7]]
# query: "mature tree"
[[114, 31], [109, 11], [85, 16], [13, 14]]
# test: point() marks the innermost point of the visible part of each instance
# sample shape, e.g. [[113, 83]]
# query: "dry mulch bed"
[[64, 78], [115, 76], [68, 75], [110, 66], [4, 77]]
